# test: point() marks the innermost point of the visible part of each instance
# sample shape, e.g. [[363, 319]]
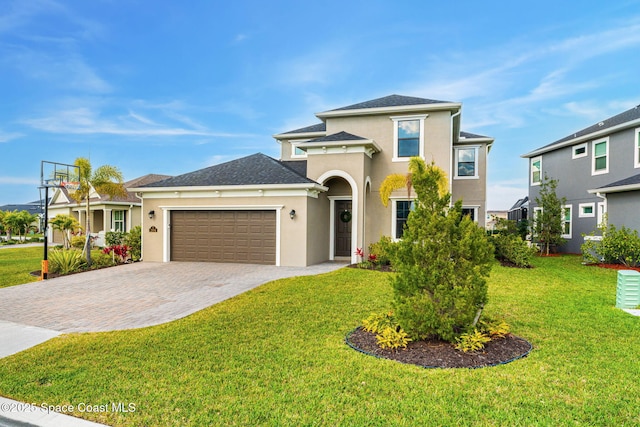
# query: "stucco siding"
[[624, 209]]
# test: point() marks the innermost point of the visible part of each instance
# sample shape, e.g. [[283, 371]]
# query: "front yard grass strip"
[[16, 263], [276, 356]]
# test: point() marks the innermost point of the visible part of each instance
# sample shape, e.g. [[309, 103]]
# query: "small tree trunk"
[[477, 318]]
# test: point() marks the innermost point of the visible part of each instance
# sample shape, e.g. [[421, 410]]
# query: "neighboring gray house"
[[598, 172]]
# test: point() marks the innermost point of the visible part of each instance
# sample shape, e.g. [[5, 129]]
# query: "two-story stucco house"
[[320, 201], [598, 172]]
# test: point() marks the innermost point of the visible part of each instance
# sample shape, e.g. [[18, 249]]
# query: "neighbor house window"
[[600, 157], [637, 149], [579, 151], [471, 212], [467, 162], [566, 222], [602, 214], [400, 215], [536, 170], [408, 138], [119, 221], [587, 210]]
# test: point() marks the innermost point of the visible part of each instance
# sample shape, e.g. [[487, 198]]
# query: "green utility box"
[[628, 291]]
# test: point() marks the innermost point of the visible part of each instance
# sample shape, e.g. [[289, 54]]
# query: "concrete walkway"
[[124, 297]]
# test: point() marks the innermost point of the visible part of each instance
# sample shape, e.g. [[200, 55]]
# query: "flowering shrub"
[[121, 251]]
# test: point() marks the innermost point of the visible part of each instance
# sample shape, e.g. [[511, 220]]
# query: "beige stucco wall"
[[294, 234], [375, 219], [473, 192]]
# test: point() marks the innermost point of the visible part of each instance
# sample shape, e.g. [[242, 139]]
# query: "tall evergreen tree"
[[442, 262]]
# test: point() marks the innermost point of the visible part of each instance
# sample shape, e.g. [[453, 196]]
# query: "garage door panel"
[[224, 236]]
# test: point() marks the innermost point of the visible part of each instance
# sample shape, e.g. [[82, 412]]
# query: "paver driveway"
[[135, 295]]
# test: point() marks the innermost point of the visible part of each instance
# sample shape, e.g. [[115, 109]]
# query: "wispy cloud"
[[86, 120], [522, 78], [9, 136]]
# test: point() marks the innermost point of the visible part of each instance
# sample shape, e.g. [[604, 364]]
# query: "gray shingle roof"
[[471, 135], [257, 169], [632, 180], [319, 127], [619, 119], [340, 136], [390, 101]]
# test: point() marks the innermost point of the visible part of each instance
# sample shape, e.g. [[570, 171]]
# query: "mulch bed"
[[615, 266], [439, 354]]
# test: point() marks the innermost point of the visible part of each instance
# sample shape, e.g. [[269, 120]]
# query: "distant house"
[[519, 210], [107, 214], [320, 201], [598, 172], [34, 208], [493, 217]]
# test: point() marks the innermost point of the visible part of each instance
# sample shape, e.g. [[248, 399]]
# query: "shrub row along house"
[[598, 172], [320, 201]]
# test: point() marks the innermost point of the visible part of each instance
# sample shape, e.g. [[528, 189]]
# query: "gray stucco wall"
[[575, 179], [624, 209]]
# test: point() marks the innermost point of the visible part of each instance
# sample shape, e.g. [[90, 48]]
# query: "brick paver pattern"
[[135, 295]]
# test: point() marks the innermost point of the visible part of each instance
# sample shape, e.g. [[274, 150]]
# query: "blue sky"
[[170, 87]]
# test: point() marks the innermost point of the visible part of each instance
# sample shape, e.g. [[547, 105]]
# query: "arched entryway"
[[343, 214]]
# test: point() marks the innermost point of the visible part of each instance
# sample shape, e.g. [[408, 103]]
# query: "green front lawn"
[[276, 356], [16, 263]]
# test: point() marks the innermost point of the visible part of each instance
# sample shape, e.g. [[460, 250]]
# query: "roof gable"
[[630, 117], [257, 169], [390, 101]]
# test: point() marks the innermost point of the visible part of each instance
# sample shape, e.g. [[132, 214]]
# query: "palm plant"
[[66, 224], [105, 179]]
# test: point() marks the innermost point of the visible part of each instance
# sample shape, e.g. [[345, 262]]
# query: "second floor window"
[[467, 162], [600, 157], [408, 138], [536, 171]]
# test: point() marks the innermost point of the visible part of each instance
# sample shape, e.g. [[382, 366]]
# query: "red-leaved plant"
[[121, 251]]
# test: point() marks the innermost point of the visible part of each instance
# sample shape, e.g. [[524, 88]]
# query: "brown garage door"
[[224, 236]]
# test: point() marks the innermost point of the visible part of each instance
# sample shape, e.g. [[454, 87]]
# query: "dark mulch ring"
[[439, 354], [383, 267]]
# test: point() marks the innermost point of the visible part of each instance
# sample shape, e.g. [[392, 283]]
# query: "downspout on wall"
[[451, 165]]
